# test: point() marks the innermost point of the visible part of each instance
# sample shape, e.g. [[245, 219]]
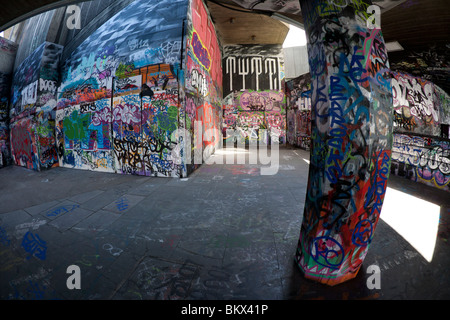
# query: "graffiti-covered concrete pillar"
[[351, 137]]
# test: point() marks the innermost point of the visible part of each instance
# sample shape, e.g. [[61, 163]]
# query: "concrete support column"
[[351, 138]]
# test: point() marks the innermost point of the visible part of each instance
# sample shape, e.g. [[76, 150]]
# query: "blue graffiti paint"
[[122, 204], [61, 210], [34, 245], [362, 235], [378, 188], [4, 238], [323, 252]]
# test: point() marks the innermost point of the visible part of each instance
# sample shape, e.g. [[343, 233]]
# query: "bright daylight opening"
[[296, 37], [416, 220], [226, 151]]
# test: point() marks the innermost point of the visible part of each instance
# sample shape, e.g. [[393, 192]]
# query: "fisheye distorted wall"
[[121, 98], [254, 98], [8, 52]]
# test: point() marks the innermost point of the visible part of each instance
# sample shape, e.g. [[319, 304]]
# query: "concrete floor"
[[226, 232]]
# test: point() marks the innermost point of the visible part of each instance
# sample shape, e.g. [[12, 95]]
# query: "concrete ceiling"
[[236, 25], [418, 23]]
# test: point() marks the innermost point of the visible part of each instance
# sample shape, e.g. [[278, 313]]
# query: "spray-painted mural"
[[422, 159], [24, 143], [203, 100], [351, 124], [254, 93], [33, 103], [8, 52], [431, 63], [414, 104], [420, 108], [298, 94], [83, 136], [119, 102], [143, 134], [127, 96], [23, 105], [421, 121]]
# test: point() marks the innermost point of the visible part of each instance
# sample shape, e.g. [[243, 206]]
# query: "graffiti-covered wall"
[[422, 159], [443, 100], [421, 110], [254, 92], [418, 109], [203, 100], [8, 52], [421, 116], [119, 104], [298, 95], [33, 104], [131, 88], [431, 63]]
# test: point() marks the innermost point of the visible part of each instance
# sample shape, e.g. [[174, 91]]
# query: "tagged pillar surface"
[[351, 138]]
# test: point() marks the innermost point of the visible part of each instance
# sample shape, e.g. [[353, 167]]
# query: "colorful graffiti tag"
[[33, 105], [350, 139], [298, 93], [122, 105], [422, 159], [254, 89], [8, 50], [414, 105], [203, 82], [23, 144], [119, 102]]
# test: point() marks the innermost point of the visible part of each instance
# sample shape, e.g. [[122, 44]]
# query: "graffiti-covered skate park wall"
[[253, 89], [203, 83], [421, 149], [141, 94], [8, 52], [33, 101], [130, 87], [298, 95]]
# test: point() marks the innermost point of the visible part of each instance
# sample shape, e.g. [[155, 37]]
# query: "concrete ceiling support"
[[351, 137]]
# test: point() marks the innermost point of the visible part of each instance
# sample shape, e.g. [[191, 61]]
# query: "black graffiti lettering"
[[88, 107], [137, 155]]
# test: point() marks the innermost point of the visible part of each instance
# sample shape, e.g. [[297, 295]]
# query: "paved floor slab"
[[225, 232]]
